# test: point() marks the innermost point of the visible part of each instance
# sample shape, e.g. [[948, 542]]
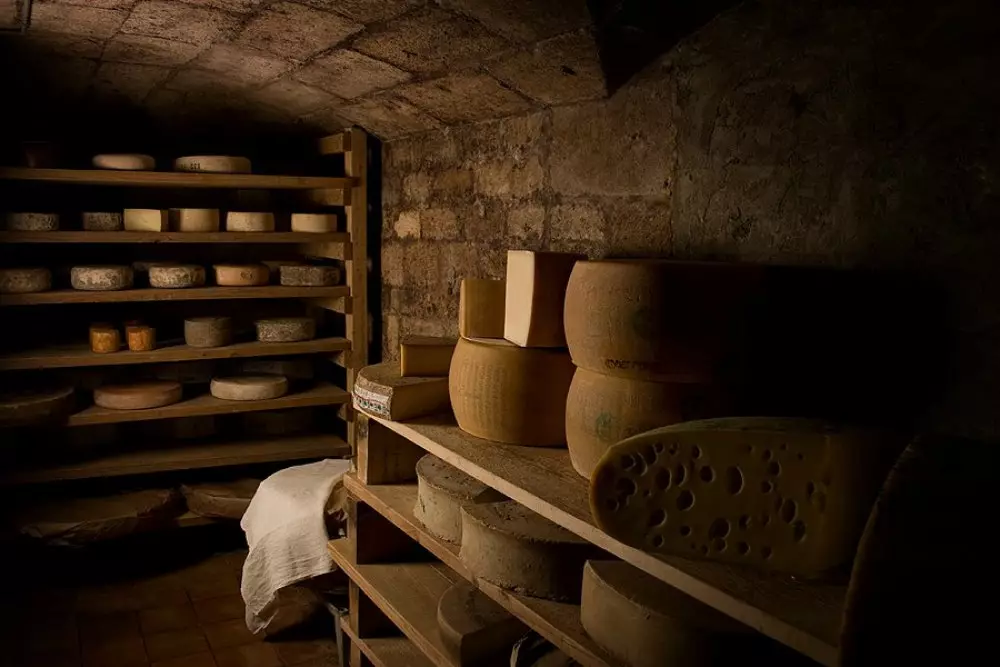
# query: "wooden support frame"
[[384, 457], [356, 167]]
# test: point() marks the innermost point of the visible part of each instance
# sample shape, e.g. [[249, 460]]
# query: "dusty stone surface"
[[293, 97], [148, 50], [366, 11], [560, 70], [391, 116], [178, 21], [87, 21], [525, 20], [349, 74], [131, 81], [78, 46], [241, 64], [294, 31], [464, 97]]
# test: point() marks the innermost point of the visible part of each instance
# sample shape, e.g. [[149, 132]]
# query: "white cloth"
[[285, 527]]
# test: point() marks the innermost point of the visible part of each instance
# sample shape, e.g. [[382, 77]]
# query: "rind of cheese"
[[510, 394], [124, 161], [176, 276], [32, 222], [309, 276], [474, 628], [139, 396], [24, 281], [249, 387], [442, 491], [197, 220], [99, 221], [220, 500], [314, 223], [140, 338], [208, 331], [481, 308], [285, 329], [101, 278], [146, 220], [425, 356], [35, 406], [105, 338], [785, 494], [241, 275], [533, 303], [216, 164], [243, 221], [379, 390]]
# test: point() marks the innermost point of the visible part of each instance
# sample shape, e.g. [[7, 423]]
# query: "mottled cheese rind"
[[32, 222], [302, 275], [442, 491], [101, 278], [208, 331], [100, 221], [285, 329], [177, 276], [249, 387], [24, 281]]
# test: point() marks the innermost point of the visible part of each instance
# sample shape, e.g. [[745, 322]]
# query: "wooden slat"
[[389, 651], [333, 241], [804, 616], [189, 457], [343, 305], [335, 143], [559, 622], [329, 197], [192, 294], [323, 394], [356, 166], [73, 356], [173, 179]]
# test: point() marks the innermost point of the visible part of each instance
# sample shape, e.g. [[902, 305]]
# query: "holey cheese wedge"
[[787, 494]]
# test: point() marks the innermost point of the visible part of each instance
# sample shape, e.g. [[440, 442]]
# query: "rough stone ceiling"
[[395, 67]]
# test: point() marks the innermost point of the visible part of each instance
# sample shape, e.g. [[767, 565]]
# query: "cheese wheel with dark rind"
[[139, 396], [176, 276], [208, 331], [285, 329], [32, 222], [102, 221], [309, 276], [24, 281], [249, 387], [35, 406], [101, 278]]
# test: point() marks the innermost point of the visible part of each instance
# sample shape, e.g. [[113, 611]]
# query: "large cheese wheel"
[[146, 220], [241, 275], [220, 500], [279, 422], [22, 281], [316, 223], [176, 276], [220, 164], [425, 356], [194, 219], [511, 394], [380, 390], [31, 406], [285, 329], [507, 544], [442, 491], [101, 278], [124, 161], [474, 628], [249, 387], [786, 494], [139, 396], [98, 221], [602, 410], [240, 221], [302, 275], [481, 308], [208, 331], [32, 222], [536, 287]]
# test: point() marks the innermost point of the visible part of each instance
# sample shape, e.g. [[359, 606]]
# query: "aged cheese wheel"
[[124, 161], [22, 281], [241, 275], [208, 331], [509, 545], [194, 219], [279, 422], [32, 406], [379, 390], [474, 628], [105, 338], [316, 223], [102, 221], [138, 396], [425, 356], [442, 491], [300, 368], [511, 394], [285, 329], [140, 338], [309, 276], [533, 303], [240, 221], [32, 222], [220, 164], [249, 387], [786, 494], [220, 500], [176, 276], [100, 278], [146, 220], [481, 308]]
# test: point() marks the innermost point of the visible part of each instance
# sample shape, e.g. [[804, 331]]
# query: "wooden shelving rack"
[[350, 350], [395, 587]]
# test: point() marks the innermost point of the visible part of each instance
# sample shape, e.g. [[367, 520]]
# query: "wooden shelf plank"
[[173, 179], [189, 457], [323, 394], [173, 237], [408, 593], [559, 622], [388, 651], [73, 356], [804, 616], [192, 294]]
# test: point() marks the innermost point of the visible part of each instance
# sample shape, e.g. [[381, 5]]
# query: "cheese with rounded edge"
[[508, 545], [285, 329], [104, 338], [442, 491], [199, 220], [303, 275], [474, 628], [481, 308], [102, 221], [140, 338], [146, 220], [101, 278], [533, 303], [218, 164], [176, 276], [139, 396], [315, 223], [208, 331], [241, 275], [243, 221], [42, 406], [124, 161], [510, 394], [220, 500], [249, 387], [381, 391], [24, 281], [32, 222]]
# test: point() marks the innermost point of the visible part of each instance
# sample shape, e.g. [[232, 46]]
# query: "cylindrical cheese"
[[23, 281], [29, 407], [124, 161], [316, 223], [442, 491], [309, 276], [141, 338], [220, 164], [279, 422], [241, 221], [194, 219], [146, 220], [220, 500], [241, 275], [101, 278], [105, 338], [249, 387], [139, 396], [32, 222], [285, 329], [102, 221], [176, 276], [511, 394], [208, 331]]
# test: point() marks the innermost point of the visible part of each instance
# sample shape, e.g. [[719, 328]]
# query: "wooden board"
[[407, 593], [559, 622], [192, 294], [187, 457], [388, 651], [804, 616], [73, 356], [335, 143], [206, 404], [356, 166], [174, 237], [173, 179]]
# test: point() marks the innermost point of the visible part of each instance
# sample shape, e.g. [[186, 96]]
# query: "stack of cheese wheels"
[[23, 281], [442, 492]]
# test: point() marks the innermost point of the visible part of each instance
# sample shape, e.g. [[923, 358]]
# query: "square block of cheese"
[[146, 220], [536, 289], [481, 308]]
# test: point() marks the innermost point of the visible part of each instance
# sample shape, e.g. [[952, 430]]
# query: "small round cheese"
[[309, 276], [146, 220], [249, 387], [32, 222], [140, 338], [194, 219], [219, 164], [241, 275], [124, 161], [315, 223], [102, 221], [105, 338], [285, 329], [101, 278], [243, 221], [442, 491], [139, 396], [23, 281], [176, 276], [208, 331]]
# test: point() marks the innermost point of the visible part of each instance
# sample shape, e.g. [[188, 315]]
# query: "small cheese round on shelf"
[[141, 338], [100, 221], [101, 278], [32, 222], [304, 275], [124, 161], [314, 223], [241, 275], [216, 164], [199, 220], [104, 338], [285, 329], [176, 276], [249, 387], [442, 491], [208, 331], [139, 396], [24, 281], [249, 221]]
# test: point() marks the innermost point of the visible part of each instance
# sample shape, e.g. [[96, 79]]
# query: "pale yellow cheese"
[[241, 275], [381, 391], [533, 304], [246, 221], [98, 221], [316, 223], [124, 161], [146, 220], [199, 220], [176, 276], [249, 387], [101, 278], [427, 356], [481, 308], [140, 396], [32, 222], [23, 281], [221, 164], [442, 491]]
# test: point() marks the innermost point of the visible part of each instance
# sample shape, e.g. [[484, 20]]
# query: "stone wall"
[[811, 133]]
